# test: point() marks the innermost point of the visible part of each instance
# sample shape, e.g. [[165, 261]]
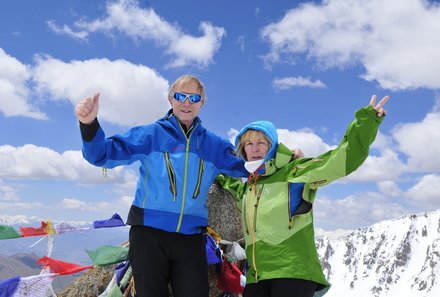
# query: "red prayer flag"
[[60, 267], [44, 229]]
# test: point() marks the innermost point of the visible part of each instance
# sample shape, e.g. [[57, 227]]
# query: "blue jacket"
[[176, 169]]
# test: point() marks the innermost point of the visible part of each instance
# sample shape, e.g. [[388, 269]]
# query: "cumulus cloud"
[[419, 141], [120, 205], [390, 188], [286, 83], [126, 88], [8, 193], [34, 162], [386, 167], [15, 99], [311, 144], [356, 211], [393, 40], [127, 17], [425, 192]]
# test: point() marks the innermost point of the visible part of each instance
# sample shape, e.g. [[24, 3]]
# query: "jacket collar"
[[283, 156], [170, 117]]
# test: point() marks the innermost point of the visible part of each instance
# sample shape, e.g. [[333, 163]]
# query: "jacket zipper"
[[253, 189], [245, 215], [256, 208], [199, 179], [288, 208], [185, 178], [171, 176], [252, 232]]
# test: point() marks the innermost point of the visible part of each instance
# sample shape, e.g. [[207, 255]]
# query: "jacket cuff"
[[88, 131]]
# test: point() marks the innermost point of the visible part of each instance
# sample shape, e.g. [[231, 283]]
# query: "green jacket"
[[276, 203]]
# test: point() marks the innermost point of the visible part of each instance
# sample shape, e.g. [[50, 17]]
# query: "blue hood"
[[268, 128]]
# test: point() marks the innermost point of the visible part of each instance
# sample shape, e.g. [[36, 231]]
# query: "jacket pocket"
[[295, 197], [199, 179], [171, 176]]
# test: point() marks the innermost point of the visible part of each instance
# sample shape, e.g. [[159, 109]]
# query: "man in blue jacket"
[[179, 160]]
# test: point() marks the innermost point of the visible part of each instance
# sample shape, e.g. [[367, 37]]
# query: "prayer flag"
[[8, 287], [7, 232], [60, 267], [114, 221], [213, 253], [35, 286], [120, 270], [64, 228], [107, 254], [44, 229]]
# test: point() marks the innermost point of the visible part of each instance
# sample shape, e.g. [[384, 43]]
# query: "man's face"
[[186, 111]]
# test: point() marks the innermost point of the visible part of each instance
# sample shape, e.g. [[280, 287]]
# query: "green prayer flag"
[[115, 291], [7, 232], [107, 254]]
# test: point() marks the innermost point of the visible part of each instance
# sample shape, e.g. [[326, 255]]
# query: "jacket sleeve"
[[120, 149], [347, 157], [233, 185]]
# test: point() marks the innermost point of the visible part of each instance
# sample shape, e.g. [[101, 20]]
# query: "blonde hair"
[[185, 80], [247, 136]]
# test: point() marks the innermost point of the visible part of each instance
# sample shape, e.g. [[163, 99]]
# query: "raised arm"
[[350, 153]]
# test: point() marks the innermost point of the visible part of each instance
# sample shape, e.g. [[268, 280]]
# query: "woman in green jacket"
[[276, 202]]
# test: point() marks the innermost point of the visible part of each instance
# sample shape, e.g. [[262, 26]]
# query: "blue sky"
[[306, 66]]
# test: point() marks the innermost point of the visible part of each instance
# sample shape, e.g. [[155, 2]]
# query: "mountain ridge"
[[397, 257]]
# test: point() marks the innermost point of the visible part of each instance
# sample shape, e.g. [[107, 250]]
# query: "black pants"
[[158, 258], [281, 287]]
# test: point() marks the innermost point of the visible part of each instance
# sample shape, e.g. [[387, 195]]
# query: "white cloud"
[[390, 188], [286, 83], [395, 41], [386, 167], [420, 142], [241, 41], [8, 193], [13, 206], [120, 205], [360, 210], [126, 88], [311, 144], [425, 192], [65, 30], [127, 17], [34, 162], [14, 92]]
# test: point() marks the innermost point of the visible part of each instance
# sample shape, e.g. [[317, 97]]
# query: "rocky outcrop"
[[223, 218]]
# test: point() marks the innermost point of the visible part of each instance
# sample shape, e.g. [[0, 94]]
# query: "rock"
[[224, 219]]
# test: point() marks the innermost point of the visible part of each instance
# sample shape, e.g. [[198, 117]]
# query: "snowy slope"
[[399, 257]]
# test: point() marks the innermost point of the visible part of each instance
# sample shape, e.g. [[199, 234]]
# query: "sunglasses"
[[181, 97]]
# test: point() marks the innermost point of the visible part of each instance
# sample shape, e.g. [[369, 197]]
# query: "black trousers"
[[159, 258], [281, 287]]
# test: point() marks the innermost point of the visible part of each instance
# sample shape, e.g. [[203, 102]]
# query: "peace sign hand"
[[379, 106]]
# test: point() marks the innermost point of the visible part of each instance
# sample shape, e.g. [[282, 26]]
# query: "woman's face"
[[256, 148]]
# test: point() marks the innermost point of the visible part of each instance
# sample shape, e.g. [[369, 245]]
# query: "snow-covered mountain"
[[394, 258]]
